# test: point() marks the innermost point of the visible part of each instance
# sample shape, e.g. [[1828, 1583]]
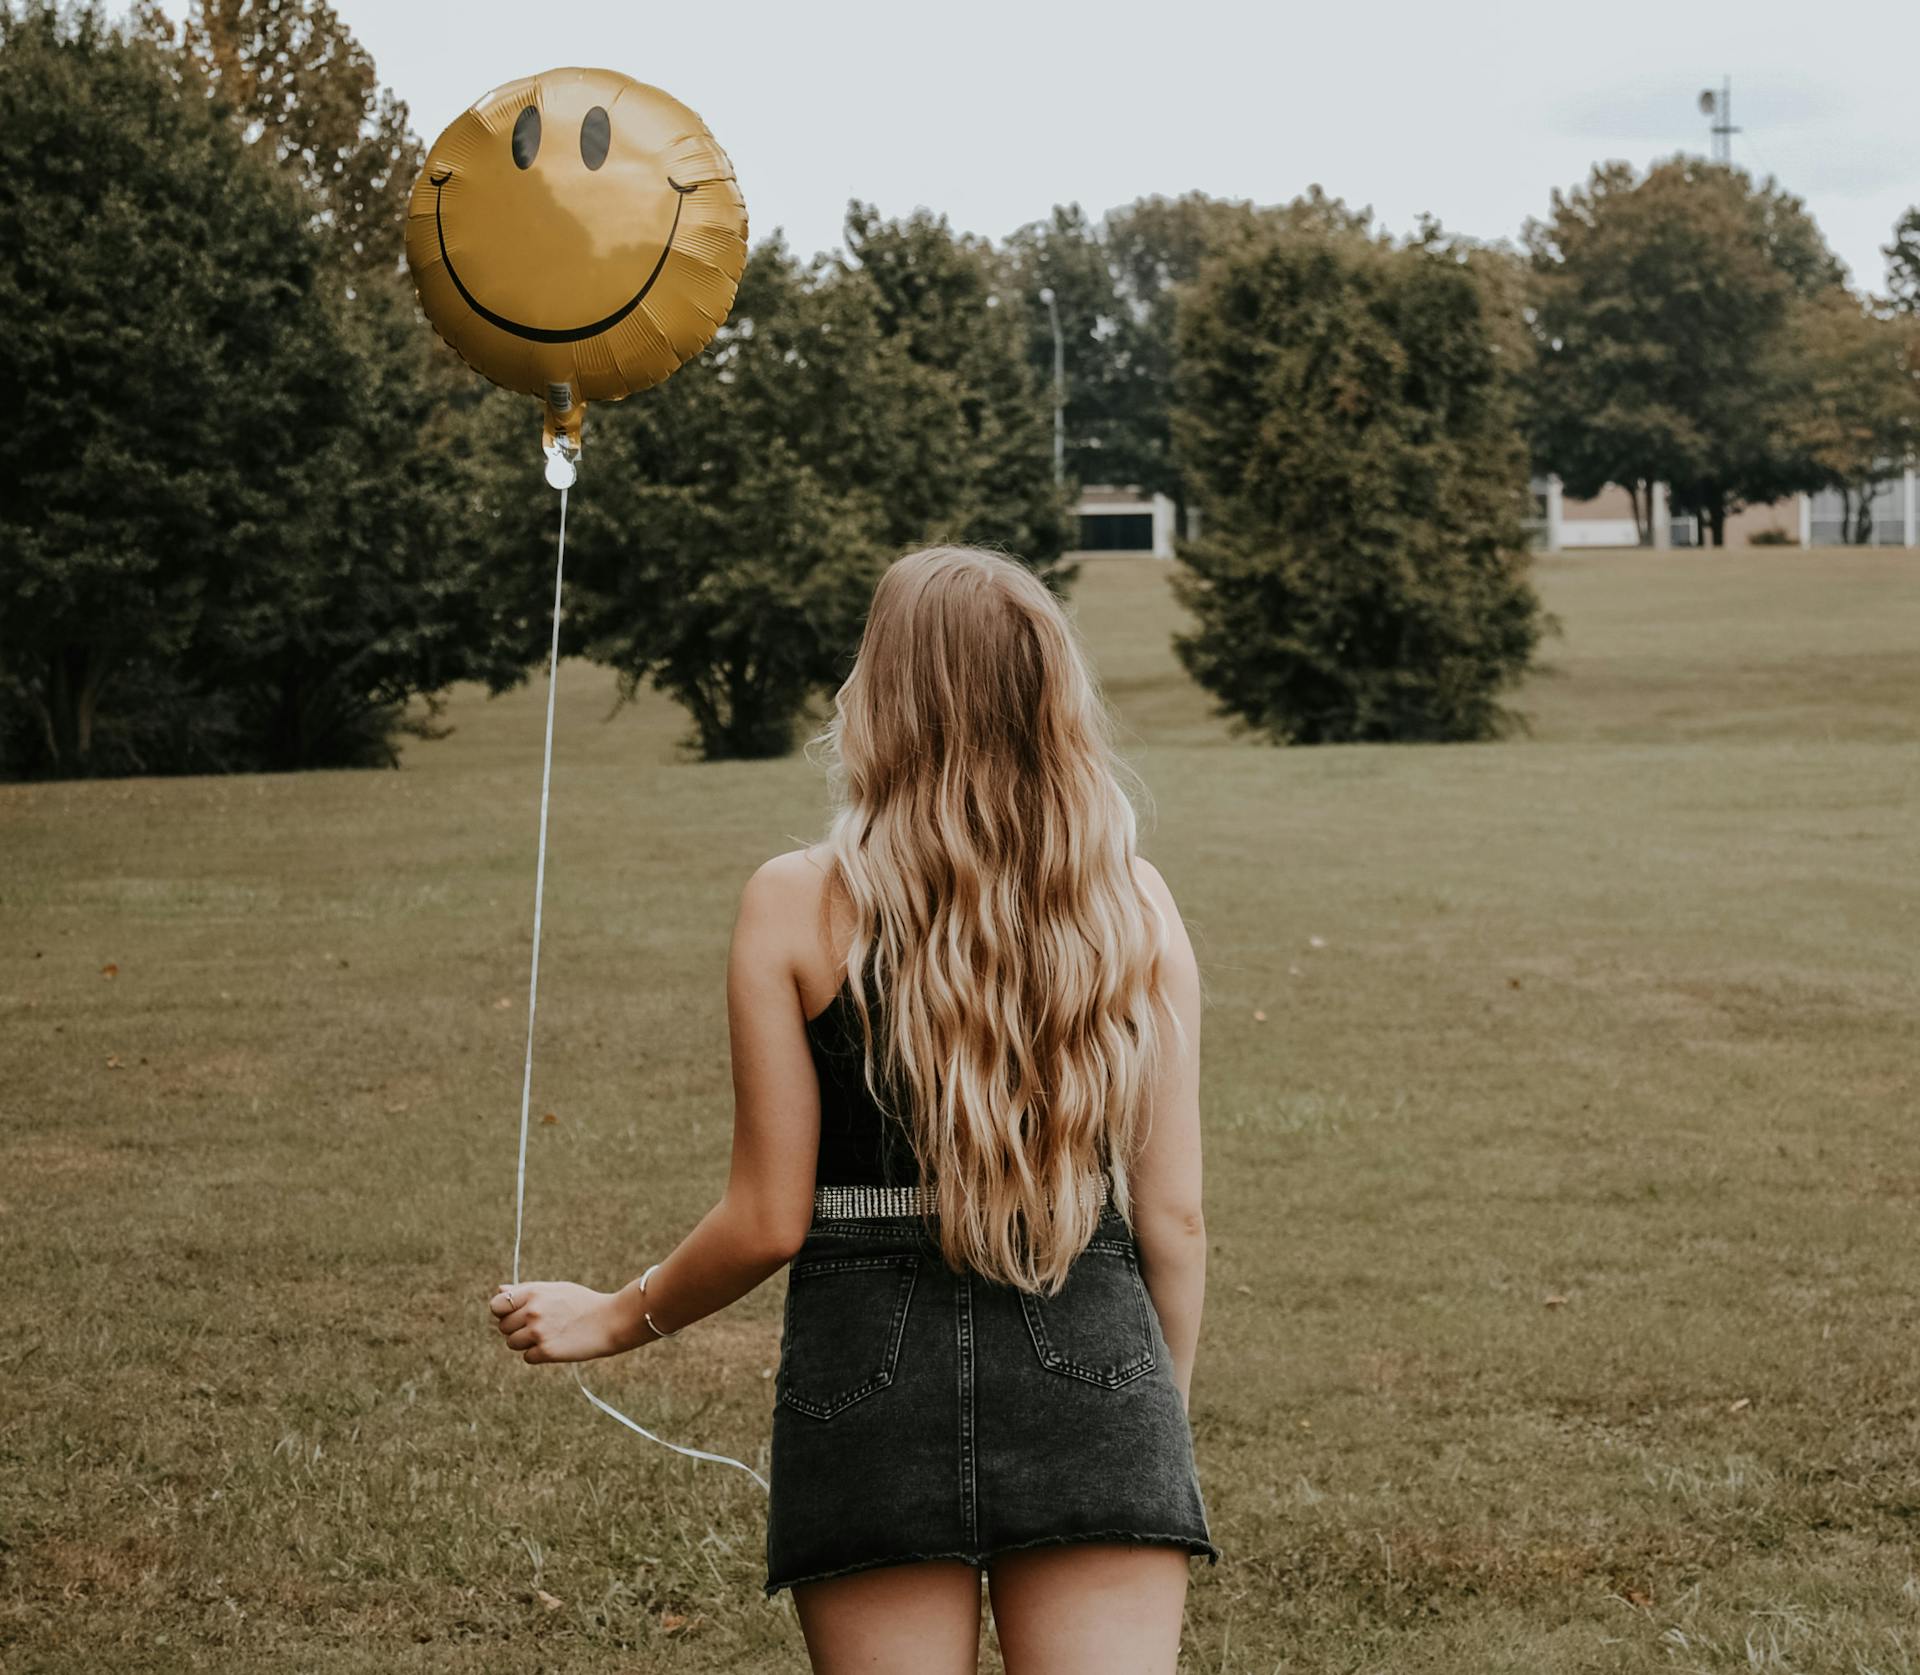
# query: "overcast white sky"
[[994, 111]]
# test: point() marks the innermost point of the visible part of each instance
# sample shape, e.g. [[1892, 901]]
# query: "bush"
[[1347, 421]]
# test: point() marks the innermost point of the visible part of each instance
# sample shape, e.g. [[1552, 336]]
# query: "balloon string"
[[533, 1001], [539, 895], [693, 1453]]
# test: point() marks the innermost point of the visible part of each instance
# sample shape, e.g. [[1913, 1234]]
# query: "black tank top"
[[860, 1144]]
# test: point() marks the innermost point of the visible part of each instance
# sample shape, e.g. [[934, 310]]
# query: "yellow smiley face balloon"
[[576, 236]]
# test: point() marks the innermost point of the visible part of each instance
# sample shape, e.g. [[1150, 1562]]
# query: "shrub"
[[1347, 419]]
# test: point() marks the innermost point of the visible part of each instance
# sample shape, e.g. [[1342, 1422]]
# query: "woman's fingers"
[[513, 1312], [512, 1307], [520, 1320]]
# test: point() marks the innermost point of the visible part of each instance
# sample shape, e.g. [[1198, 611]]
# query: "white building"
[[1123, 520], [1561, 523], [1894, 516]]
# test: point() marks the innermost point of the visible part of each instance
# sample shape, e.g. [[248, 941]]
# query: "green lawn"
[[1561, 1160]]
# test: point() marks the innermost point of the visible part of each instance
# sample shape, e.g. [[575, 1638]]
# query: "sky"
[[993, 112]]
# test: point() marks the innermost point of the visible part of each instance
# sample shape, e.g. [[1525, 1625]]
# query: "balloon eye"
[[526, 137], [596, 134]]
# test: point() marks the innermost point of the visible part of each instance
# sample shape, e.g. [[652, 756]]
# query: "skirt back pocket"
[[845, 1318], [1097, 1327]]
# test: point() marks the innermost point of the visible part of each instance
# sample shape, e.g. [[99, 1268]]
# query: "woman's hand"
[[555, 1320]]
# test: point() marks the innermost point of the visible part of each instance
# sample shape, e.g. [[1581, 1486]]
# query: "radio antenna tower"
[[1719, 106]]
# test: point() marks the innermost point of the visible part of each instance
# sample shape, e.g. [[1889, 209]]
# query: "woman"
[[965, 1038]]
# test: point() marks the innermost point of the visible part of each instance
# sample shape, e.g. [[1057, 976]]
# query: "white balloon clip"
[[561, 469]]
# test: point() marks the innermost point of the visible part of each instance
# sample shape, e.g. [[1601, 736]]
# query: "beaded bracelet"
[[643, 1312]]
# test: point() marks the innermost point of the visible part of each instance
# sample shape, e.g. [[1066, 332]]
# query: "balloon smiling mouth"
[[544, 334]]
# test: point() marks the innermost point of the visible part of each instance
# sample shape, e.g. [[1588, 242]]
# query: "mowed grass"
[[1562, 1176]]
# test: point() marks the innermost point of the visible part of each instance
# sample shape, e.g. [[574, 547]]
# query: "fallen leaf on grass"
[[1259, 1017], [113, 1062], [109, 971], [546, 1599], [502, 1004], [549, 1117], [673, 1621], [1316, 942], [1244, 1290], [1555, 1302], [1742, 1405]]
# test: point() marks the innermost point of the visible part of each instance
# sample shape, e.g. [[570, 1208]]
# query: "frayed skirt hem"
[[978, 1557]]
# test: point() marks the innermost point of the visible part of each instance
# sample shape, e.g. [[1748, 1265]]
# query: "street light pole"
[[1059, 387]]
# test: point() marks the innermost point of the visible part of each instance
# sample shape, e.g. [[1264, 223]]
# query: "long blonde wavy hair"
[[982, 834]]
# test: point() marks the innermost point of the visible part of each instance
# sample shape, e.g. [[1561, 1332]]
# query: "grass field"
[[1562, 1176]]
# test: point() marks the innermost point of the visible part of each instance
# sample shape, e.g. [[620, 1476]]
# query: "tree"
[[252, 510], [1117, 287], [303, 87], [1859, 416], [979, 421], [160, 295], [1103, 408], [1903, 263], [1348, 425], [1157, 246], [1663, 311], [743, 511], [729, 546], [411, 550]]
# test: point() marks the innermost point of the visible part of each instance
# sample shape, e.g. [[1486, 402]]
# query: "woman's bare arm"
[[1166, 1171], [762, 1217]]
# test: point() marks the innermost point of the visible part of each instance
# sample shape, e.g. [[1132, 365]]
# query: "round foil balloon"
[[576, 236]]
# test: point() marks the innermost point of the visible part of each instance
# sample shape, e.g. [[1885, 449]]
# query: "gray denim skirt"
[[924, 1414]]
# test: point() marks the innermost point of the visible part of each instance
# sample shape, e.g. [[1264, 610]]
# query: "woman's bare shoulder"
[[795, 867], [790, 886], [1179, 941], [788, 894], [1148, 876]]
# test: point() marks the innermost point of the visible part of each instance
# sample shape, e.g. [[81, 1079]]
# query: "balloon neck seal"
[[560, 435]]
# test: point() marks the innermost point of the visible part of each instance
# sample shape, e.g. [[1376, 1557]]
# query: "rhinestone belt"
[[845, 1203]]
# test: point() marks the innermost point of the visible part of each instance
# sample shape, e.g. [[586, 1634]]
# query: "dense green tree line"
[[250, 513], [225, 490], [1694, 329], [1678, 326], [1684, 326], [259, 517]]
